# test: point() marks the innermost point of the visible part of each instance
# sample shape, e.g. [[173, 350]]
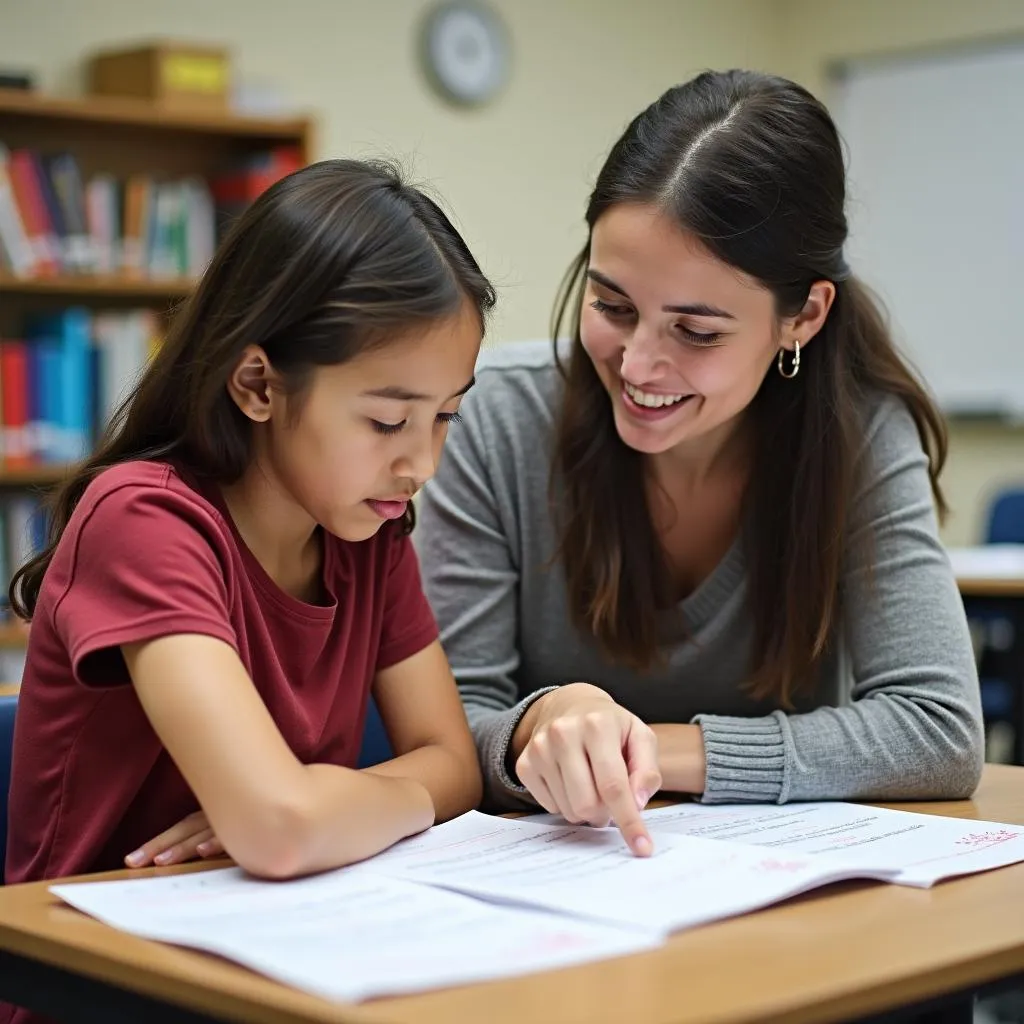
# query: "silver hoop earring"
[[795, 369]]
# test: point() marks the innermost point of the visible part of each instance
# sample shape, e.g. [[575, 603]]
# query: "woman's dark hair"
[[751, 165], [329, 262]]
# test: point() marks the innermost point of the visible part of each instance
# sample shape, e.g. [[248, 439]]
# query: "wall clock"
[[465, 52]]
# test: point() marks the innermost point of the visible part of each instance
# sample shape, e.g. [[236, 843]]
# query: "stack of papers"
[[483, 897]]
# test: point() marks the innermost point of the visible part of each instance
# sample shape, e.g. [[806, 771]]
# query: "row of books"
[[63, 379], [56, 221]]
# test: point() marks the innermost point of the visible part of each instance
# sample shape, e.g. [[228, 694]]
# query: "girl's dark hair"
[[330, 261], [751, 165]]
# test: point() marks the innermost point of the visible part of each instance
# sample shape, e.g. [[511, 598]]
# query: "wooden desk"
[[842, 952], [994, 586]]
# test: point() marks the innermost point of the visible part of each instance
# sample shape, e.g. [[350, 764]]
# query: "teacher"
[[696, 547]]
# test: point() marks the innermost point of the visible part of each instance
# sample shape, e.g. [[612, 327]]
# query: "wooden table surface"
[[982, 586], [850, 949]]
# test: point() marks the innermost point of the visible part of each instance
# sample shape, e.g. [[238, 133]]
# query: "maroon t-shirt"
[[145, 555]]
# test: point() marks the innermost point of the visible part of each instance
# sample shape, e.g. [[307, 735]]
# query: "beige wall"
[[982, 458], [819, 31], [517, 172]]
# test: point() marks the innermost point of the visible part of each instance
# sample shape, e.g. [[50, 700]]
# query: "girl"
[[699, 550], [230, 573]]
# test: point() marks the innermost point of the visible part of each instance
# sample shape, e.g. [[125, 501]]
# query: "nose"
[[641, 354], [418, 462]]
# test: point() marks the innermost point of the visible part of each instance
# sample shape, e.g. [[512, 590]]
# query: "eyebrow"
[[689, 309], [400, 394]]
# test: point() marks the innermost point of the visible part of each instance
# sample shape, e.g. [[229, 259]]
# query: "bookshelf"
[[125, 137], [12, 636], [119, 138], [43, 474], [124, 112], [99, 286]]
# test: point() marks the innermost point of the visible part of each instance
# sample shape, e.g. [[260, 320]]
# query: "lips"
[[652, 399], [639, 409], [391, 508]]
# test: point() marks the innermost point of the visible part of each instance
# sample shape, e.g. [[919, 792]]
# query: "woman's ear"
[[809, 321], [252, 384]]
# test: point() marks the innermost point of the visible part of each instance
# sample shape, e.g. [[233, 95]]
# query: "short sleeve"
[[143, 564], [408, 623]]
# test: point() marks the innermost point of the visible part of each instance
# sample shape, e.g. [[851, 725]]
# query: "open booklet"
[[914, 849], [483, 897]]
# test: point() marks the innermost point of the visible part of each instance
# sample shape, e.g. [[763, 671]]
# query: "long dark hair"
[[751, 165], [328, 262]]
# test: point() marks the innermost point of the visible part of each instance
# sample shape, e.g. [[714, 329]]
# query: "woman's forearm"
[[680, 757]]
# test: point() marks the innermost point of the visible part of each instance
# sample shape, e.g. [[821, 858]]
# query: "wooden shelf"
[[110, 287], [42, 475], [142, 114], [13, 636]]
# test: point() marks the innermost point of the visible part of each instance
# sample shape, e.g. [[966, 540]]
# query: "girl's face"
[[680, 340], [365, 436]]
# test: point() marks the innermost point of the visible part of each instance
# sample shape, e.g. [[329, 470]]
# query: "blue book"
[[48, 440], [70, 334]]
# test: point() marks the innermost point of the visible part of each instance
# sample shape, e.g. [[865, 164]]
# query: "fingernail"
[[163, 858], [133, 860], [203, 849], [641, 799], [642, 846]]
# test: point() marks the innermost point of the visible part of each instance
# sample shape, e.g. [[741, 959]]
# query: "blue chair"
[[1006, 519], [376, 746], [8, 706], [1001, 693]]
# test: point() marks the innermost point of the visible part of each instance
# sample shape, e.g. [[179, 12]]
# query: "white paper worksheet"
[[590, 873], [348, 935], [921, 849], [483, 897]]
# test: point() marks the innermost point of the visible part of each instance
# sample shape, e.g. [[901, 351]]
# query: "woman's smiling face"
[[680, 340]]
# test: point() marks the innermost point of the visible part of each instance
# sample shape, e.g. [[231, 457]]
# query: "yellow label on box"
[[185, 72]]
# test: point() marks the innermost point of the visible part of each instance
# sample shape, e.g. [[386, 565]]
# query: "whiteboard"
[[936, 208]]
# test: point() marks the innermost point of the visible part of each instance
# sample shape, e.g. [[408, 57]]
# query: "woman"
[[698, 549]]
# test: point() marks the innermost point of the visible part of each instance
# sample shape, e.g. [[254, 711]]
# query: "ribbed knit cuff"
[[502, 784], [746, 759]]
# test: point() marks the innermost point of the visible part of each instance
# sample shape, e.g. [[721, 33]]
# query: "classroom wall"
[[983, 458], [517, 172]]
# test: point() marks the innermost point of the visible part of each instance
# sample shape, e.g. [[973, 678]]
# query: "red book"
[[34, 215], [14, 384]]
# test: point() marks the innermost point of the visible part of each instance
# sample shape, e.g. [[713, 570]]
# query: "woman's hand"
[[586, 758], [191, 838]]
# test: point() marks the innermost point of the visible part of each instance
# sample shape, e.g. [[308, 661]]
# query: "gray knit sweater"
[[897, 714]]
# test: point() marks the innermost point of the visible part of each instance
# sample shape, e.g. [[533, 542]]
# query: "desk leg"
[[1017, 667], [74, 999]]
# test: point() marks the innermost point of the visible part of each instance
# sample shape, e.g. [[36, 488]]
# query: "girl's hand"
[[190, 839], [588, 759]]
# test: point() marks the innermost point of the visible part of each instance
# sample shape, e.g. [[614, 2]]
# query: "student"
[[230, 573], [698, 551]]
